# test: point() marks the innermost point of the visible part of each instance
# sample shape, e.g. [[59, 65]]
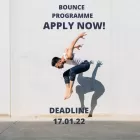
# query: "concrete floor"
[[92, 130]]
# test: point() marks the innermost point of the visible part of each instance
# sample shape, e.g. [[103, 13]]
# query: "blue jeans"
[[70, 74]]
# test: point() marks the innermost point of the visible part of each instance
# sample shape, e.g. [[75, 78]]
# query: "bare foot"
[[68, 94]]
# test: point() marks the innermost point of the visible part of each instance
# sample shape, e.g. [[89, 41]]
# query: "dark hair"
[[55, 60]]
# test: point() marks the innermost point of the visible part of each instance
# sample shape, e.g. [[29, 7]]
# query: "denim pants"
[[70, 74]]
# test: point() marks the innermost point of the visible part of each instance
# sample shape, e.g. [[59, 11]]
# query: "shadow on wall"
[[90, 84]]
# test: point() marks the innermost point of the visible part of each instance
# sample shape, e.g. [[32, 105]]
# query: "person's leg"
[[76, 70], [72, 73], [67, 81]]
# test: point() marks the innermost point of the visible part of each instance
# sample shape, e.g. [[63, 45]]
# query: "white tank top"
[[74, 61]]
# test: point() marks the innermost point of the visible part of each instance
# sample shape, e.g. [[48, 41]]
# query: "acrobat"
[[69, 57]]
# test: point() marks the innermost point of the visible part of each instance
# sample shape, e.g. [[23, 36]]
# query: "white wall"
[[36, 86], [4, 58], [125, 56]]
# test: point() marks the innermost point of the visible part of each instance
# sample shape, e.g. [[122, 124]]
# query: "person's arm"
[[72, 46]]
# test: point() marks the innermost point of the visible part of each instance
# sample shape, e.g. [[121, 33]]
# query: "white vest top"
[[74, 61]]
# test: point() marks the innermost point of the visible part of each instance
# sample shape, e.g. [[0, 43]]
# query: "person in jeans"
[[70, 58]]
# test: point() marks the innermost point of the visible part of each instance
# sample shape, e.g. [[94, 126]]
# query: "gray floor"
[[92, 130]]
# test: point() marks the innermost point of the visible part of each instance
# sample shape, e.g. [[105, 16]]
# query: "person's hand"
[[66, 50], [99, 63], [78, 46], [82, 35]]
